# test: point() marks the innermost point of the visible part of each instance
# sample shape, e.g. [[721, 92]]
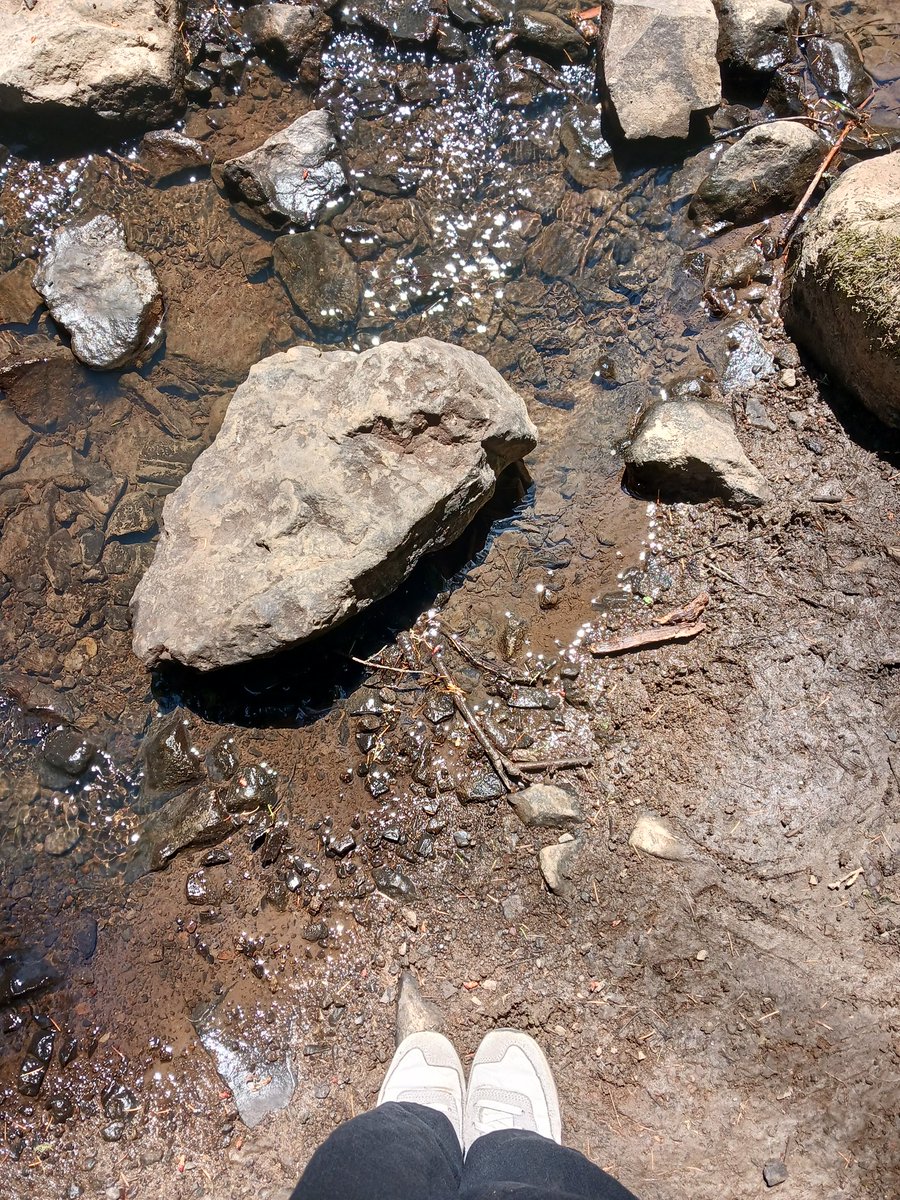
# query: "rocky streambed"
[[424, 554]]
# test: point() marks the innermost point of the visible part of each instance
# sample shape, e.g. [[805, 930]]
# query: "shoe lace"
[[497, 1115]]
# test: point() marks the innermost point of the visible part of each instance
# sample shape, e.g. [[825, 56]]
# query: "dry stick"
[[788, 232], [646, 638]]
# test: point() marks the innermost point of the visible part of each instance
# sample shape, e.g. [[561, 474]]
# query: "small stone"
[[68, 751], [757, 416], [789, 378], [18, 299], [545, 806], [166, 152], [462, 838], [61, 840], [394, 883], [702, 955], [653, 836], [774, 1172], [170, 759], [512, 907], [556, 866], [415, 1014], [196, 888]]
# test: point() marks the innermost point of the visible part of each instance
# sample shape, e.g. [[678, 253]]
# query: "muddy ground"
[[703, 1016]]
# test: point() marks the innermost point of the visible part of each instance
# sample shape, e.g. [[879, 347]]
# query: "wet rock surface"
[[766, 171], [755, 36], [105, 296], [688, 449], [840, 297], [292, 177], [321, 278], [278, 537], [116, 62], [286, 32], [165, 153], [659, 64]]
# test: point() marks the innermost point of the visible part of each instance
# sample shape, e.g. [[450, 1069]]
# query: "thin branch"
[[646, 639]]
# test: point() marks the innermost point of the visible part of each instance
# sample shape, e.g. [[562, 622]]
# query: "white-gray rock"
[[688, 450], [545, 806], [656, 837], [659, 64], [842, 295], [415, 1014], [556, 864], [292, 176], [117, 61], [332, 475], [103, 294]]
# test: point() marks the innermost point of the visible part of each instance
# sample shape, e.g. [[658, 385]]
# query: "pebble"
[[545, 806], [789, 377], [656, 837], [61, 840], [774, 1172]]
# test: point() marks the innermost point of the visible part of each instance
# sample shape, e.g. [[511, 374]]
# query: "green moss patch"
[[864, 266]]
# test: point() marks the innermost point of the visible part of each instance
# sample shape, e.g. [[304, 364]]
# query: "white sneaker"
[[426, 1070], [510, 1087]]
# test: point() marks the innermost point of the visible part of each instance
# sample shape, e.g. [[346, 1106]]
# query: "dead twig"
[[645, 639]]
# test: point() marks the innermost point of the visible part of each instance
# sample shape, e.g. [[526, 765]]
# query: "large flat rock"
[[842, 291], [659, 64], [332, 475], [119, 62]]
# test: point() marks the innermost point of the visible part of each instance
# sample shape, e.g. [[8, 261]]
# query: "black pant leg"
[[514, 1164], [393, 1152]]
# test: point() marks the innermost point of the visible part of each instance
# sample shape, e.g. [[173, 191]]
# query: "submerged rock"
[[549, 36], [198, 818], [320, 276], [755, 36], [332, 475], [292, 176], [286, 33], [659, 64], [120, 62], [166, 152], [688, 450], [23, 971], [259, 1076], [18, 299], [841, 299], [105, 296], [765, 172]]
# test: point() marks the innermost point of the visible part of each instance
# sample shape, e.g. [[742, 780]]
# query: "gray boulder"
[[688, 450], [119, 62], [292, 176], [755, 36], [286, 33], [765, 172], [105, 296], [840, 298], [332, 475], [659, 64], [320, 276]]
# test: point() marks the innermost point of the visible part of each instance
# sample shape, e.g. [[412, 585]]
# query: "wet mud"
[[194, 991]]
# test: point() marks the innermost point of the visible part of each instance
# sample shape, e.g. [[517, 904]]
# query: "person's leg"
[[407, 1148], [393, 1152], [514, 1164], [512, 1130]]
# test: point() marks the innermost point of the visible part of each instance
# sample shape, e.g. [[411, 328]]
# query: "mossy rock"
[[842, 289]]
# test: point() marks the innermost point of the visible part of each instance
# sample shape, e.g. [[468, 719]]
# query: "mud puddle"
[[374, 837]]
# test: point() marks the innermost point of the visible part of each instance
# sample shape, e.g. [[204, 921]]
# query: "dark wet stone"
[[734, 268], [837, 69], [462, 838], [113, 1132], [67, 1050], [425, 847], [170, 759], [532, 697], [341, 846], [451, 43], [41, 1045], [474, 13], [276, 839], [68, 751], [166, 152], [119, 1102], [195, 819], [292, 177], [546, 806], [85, 936], [199, 85], [252, 788], [31, 1075], [393, 883], [763, 173], [755, 36], [196, 888], [738, 355], [222, 760], [60, 1107], [286, 33], [21, 972], [549, 36], [402, 23], [316, 932], [480, 785], [105, 296], [18, 299], [216, 858], [439, 707], [321, 278]]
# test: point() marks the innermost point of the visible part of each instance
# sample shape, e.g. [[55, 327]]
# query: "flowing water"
[[473, 221]]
